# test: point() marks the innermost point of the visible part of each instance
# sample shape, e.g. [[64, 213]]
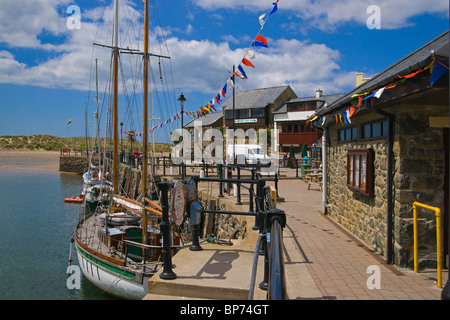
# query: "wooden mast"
[[145, 123], [115, 98]]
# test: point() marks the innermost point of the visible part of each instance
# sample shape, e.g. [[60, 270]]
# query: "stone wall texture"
[[418, 176]]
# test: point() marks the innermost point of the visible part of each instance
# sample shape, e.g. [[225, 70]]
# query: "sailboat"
[[118, 244]]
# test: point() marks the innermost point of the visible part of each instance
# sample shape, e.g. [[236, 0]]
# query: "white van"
[[252, 153]]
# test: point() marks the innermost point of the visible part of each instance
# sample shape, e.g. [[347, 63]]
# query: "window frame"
[[359, 175]]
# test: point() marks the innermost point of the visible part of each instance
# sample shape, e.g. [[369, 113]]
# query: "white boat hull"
[[113, 281]]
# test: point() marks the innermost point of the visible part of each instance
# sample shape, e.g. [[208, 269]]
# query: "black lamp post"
[[182, 100], [121, 130]]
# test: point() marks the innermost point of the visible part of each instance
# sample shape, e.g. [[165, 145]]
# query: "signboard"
[[178, 202], [245, 120]]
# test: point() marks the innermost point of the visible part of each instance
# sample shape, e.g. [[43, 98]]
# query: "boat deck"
[[92, 232]]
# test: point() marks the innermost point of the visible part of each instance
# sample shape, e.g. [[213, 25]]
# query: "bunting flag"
[[261, 20], [217, 98], [224, 90], [379, 93], [240, 73], [436, 68], [230, 82], [203, 111], [247, 63], [439, 70], [250, 54], [260, 41], [69, 122], [275, 8]]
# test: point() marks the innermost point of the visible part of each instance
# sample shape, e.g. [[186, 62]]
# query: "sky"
[[48, 72]]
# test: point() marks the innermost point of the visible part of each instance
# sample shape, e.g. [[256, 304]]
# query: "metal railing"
[[269, 220], [437, 212]]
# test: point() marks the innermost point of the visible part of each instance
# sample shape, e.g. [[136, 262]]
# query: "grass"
[[53, 143]]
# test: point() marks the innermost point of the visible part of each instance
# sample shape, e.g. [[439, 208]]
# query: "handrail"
[[438, 239], [277, 280], [269, 220]]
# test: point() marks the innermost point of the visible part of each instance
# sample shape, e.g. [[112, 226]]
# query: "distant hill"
[[53, 143]]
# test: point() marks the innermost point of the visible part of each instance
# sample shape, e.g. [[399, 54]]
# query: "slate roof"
[[206, 121], [325, 99], [251, 99], [411, 63]]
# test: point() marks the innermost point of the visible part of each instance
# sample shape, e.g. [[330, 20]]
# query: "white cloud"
[[328, 14], [198, 66], [21, 21]]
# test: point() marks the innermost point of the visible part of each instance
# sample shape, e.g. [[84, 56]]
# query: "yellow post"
[[437, 212]]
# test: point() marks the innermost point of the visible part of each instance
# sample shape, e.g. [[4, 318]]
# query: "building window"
[[375, 130], [360, 171], [348, 134], [244, 113], [258, 113], [229, 114]]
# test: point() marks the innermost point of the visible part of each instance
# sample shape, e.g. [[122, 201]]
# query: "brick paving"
[[323, 261], [338, 262]]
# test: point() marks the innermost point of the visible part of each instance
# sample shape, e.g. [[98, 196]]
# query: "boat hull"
[[112, 279]]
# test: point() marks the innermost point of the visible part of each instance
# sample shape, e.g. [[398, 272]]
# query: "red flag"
[[247, 63]]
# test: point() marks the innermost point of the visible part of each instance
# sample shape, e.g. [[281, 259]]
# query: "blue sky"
[[47, 72]]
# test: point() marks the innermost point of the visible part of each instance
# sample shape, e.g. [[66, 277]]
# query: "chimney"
[[319, 93], [360, 79]]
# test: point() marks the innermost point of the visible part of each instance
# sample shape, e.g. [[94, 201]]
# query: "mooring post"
[[167, 273]]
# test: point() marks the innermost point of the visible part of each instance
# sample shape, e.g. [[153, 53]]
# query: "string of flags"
[[436, 69], [210, 107]]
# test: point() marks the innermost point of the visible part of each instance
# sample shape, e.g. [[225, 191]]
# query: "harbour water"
[[35, 232]]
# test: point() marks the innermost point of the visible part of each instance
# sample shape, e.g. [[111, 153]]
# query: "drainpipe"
[[390, 182], [324, 167], [324, 170]]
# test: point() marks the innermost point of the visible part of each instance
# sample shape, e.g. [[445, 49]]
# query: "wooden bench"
[[314, 178]]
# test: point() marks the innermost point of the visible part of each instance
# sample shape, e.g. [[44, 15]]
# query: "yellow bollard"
[[437, 212]]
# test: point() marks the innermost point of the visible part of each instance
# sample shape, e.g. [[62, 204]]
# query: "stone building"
[[386, 145]]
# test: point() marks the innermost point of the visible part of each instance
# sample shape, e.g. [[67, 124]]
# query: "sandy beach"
[[25, 160]]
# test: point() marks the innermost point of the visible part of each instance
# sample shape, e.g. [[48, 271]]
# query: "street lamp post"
[[182, 100], [121, 130]]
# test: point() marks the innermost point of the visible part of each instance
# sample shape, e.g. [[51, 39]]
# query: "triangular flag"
[[260, 41], [275, 7], [379, 93], [240, 73], [261, 20], [348, 115], [247, 63], [438, 71], [230, 82], [250, 54], [224, 90], [217, 98]]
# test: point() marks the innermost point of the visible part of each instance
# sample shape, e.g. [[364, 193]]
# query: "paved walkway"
[[332, 264], [325, 262]]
